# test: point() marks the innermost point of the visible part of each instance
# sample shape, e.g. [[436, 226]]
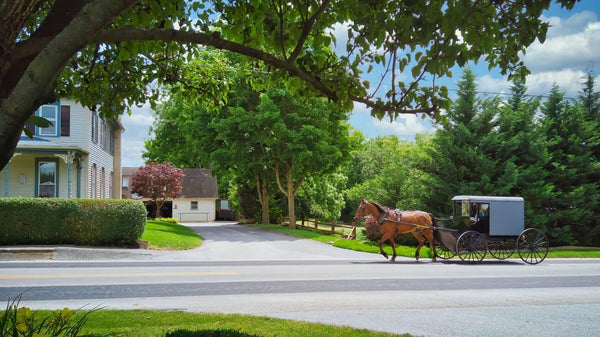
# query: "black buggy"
[[490, 224]]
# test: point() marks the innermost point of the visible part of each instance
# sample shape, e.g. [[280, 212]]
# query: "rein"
[[383, 217]]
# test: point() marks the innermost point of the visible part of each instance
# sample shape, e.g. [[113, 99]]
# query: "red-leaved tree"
[[157, 182]]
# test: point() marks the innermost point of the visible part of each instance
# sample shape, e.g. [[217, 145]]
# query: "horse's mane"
[[380, 208]]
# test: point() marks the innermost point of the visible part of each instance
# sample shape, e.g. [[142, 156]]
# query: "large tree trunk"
[[263, 199], [159, 205], [289, 191], [29, 70], [291, 202]]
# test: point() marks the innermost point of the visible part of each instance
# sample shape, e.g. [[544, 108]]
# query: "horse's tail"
[[433, 221]]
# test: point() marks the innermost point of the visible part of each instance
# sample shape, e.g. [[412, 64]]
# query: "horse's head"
[[361, 212]]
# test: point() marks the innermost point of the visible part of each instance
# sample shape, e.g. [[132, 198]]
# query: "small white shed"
[[197, 202]]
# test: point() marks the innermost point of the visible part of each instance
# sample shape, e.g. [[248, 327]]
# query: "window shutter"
[[65, 120]]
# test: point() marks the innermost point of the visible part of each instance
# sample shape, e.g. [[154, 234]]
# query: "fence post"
[[302, 220], [332, 226], [316, 223]]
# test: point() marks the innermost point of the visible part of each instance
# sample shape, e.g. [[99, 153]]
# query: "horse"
[[391, 222]]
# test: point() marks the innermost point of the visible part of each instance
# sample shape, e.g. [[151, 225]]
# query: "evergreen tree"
[[461, 161], [522, 153], [570, 208], [590, 99]]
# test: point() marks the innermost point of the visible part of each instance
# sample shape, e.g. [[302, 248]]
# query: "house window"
[[125, 182], [102, 183], [49, 112], [110, 185], [111, 145], [104, 136], [95, 127], [194, 206], [47, 178], [101, 130], [93, 181]]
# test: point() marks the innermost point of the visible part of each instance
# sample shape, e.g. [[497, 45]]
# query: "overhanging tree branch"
[[213, 40], [306, 29]]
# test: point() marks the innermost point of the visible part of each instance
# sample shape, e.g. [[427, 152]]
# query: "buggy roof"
[[480, 198]]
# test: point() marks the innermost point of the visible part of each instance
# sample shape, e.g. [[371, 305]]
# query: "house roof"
[[42, 145], [128, 171], [199, 183]]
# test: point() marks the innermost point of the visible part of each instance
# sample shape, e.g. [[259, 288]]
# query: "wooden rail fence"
[[329, 227]]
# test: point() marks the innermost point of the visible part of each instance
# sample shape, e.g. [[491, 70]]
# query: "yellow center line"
[[184, 273]]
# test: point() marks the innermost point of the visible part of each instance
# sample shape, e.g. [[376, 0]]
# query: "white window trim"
[[54, 121]]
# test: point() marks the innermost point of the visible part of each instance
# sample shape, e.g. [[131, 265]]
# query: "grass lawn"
[[407, 251], [574, 253], [170, 236], [156, 323]]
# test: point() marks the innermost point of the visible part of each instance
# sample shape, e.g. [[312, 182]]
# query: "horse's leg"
[[383, 239], [421, 240], [430, 238], [393, 248]]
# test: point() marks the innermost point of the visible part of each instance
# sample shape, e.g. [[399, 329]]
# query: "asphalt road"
[[245, 270]]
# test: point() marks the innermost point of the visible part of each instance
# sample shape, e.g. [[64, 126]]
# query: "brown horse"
[[419, 224]]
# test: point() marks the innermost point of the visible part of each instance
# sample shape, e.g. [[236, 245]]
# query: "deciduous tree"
[[157, 182], [106, 52]]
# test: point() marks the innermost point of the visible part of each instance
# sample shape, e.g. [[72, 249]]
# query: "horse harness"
[[383, 219]]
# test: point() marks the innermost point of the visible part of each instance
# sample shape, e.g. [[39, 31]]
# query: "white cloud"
[[571, 49], [131, 153], [571, 43], [405, 126], [570, 25], [136, 132], [492, 85]]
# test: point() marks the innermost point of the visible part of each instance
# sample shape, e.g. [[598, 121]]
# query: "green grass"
[[170, 236], [371, 247], [143, 323], [574, 253], [401, 250]]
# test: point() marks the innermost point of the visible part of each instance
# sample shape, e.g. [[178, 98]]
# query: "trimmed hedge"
[[70, 221]]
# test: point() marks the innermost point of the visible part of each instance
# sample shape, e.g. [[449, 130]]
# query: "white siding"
[[205, 212]]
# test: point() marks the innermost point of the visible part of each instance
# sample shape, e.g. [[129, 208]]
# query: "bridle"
[[362, 210]]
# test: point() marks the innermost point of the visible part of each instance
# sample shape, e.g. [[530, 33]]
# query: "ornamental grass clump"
[[22, 322]]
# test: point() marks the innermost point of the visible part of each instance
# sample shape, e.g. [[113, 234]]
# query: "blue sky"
[[572, 47]]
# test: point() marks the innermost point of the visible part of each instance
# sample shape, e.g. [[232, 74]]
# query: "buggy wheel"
[[532, 246], [443, 251], [471, 246], [502, 249]]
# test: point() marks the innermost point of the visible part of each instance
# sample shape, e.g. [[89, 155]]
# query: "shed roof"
[[199, 183]]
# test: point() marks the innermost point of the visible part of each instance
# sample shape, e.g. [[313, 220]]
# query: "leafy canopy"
[[115, 53]]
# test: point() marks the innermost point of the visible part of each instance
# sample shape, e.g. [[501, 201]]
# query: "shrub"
[[169, 220], [208, 333], [70, 221]]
